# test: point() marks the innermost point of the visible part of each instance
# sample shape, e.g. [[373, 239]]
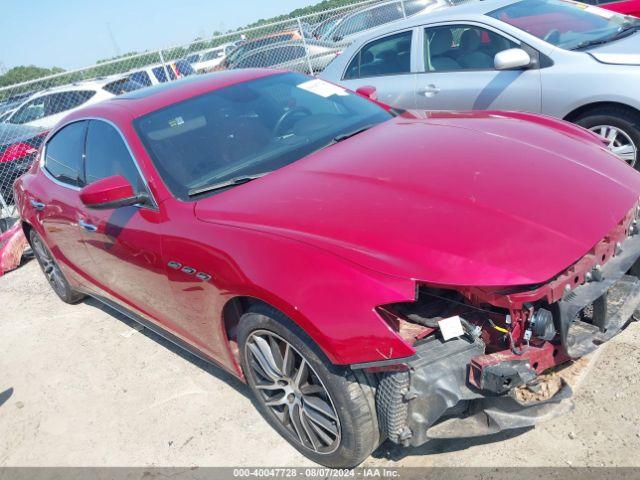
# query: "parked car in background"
[[344, 28], [8, 105], [251, 44], [512, 55], [161, 73], [18, 147], [207, 60], [309, 57], [369, 273], [46, 108], [625, 7]]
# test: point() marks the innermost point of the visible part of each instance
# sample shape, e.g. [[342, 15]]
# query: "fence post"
[[164, 66], [304, 44]]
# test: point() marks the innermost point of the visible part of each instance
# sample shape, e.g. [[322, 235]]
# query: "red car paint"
[[13, 244], [475, 201], [629, 7]]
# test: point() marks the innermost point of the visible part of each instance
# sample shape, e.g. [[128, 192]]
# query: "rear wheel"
[[52, 271], [618, 128], [319, 408]]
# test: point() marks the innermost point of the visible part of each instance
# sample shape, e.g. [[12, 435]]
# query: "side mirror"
[[511, 59], [110, 192], [368, 91]]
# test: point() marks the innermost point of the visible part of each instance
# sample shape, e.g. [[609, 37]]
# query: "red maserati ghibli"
[[370, 273]]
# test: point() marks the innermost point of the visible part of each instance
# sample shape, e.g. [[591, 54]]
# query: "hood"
[[453, 199], [619, 52]]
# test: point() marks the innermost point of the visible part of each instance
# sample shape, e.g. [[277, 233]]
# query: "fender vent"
[[391, 406]]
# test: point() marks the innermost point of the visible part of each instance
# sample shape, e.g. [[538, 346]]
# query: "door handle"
[[37, 205], [430, 90], [87, 226]]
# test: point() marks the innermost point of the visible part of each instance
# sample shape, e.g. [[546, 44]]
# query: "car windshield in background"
[[250, 128], [569, 25]]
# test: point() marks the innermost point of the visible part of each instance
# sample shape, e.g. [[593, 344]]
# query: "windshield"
[[564, 23], [249, 128]]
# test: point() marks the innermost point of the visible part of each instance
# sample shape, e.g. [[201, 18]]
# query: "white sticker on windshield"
[[176, 122], [322, 88]]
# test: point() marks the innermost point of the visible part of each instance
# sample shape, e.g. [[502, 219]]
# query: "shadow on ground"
[[393, 452], [6, 395], [210, 368]]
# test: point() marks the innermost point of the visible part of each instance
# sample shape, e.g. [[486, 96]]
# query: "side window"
[[107, 155], [160, 74], [141, 77], [462, 47], [29, 112], [60, 102], [63, 154], [284, 54], [252, 60], [386, 56]]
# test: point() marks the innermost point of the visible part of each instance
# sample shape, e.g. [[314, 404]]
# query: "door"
[[385, 63], [56, 200], [123, 243], [458, 72]]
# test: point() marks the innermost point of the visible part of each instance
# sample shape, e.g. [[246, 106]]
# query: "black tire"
[[52, 271], [352, 401], [621, 118]]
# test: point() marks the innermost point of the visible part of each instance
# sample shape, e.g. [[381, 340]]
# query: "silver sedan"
[[558, 57]]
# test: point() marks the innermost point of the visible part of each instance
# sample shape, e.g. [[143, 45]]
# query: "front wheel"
[[618, 128], [319, 408]]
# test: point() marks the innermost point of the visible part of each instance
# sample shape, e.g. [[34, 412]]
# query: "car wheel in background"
[[619, 128], [52, 271], [319, 408]]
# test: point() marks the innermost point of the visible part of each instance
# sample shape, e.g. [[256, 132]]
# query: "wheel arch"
[[580, 111]]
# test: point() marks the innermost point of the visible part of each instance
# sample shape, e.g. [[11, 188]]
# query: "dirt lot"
[[81, 386]]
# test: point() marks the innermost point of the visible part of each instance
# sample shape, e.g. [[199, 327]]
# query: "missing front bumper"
[[433, 399]]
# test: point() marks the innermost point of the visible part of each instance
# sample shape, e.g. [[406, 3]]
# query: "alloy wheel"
[[618, 141], [292, 391], [49, 266]]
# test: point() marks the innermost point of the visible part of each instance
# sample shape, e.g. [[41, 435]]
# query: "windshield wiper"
[[624, 31], [344, 136], [232, 182]]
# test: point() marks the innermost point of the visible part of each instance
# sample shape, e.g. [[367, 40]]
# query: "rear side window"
[[63, 154], [63, 101], [108, 155], [386, 56], [141, 77], [160, 74]]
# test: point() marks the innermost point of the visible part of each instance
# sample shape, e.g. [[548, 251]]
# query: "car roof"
[[149, 99], [96, 84], [461, 12], [469, 8]]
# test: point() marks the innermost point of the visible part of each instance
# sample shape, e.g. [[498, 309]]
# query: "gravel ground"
[[82, 386]]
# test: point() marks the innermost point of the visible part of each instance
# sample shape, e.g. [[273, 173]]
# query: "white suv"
[[44, 109]]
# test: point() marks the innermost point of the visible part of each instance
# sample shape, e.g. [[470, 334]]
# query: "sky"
[[75, 33]]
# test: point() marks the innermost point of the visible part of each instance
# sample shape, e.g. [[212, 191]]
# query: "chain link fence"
[[306, 44]]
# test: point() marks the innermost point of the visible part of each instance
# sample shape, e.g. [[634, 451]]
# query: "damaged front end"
[[496, 376]]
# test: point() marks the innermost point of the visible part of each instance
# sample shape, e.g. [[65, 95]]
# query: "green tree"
[[24, 73]]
